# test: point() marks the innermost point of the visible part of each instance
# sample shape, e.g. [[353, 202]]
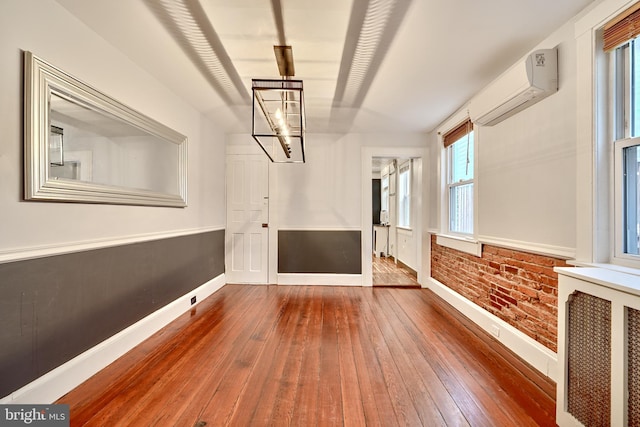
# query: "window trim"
[[385, 191], [620, 130], [594, 222], [619, 256], [461, 242], [449, 184], [408, 167]]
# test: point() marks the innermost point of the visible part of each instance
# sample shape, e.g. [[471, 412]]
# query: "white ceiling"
[[410, 72]]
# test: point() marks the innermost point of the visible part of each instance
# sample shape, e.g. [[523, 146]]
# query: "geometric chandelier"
[[278, 122]]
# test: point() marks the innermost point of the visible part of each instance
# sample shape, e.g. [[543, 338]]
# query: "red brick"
[[548, 280], [511, 270], [522, 314], [519, 296], [528, 283], [506, 297], [529, 275], [495, 266], [549, 289], [548, 299], [488, 249], [518, 287], [526, 290]]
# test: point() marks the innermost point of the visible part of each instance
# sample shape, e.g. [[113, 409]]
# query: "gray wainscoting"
[[320, 251], [54, 308]]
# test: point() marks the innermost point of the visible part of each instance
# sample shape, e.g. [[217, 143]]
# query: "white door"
[[247, 234]]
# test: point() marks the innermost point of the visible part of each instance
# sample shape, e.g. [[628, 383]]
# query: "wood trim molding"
[[20, 254], [536, 248]]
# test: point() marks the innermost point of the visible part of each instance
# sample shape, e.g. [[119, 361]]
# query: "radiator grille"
[[633, 334], [589, 359]]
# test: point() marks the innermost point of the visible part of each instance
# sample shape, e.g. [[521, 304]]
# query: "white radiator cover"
[[611, 297]]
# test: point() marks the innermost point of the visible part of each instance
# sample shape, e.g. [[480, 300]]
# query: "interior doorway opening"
[[396, 186]]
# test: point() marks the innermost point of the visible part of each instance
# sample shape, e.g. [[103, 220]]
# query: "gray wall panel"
[[54, 308], [320, 251]]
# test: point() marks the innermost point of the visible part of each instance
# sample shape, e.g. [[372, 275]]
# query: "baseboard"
[[531, 351], [320, 279], [56, 383], [410, 270]]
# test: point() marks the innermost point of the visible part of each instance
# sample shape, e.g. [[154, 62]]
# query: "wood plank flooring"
[[315, 355], [387, 273]]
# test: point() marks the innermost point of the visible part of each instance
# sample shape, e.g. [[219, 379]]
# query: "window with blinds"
[[622, 42], [459, 148], [622, 28]]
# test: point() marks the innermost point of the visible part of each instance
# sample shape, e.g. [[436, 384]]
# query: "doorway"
[[395, 190], [400, 228], [391, 274]]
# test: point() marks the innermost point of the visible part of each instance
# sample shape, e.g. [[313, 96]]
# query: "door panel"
[[256, 252], [237, 252]]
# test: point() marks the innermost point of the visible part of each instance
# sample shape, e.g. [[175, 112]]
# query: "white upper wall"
[[526, 168], [50, 32], [527, 165], [326, 191]]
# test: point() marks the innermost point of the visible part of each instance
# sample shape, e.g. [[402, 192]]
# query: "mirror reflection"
[[81, 145], [88, 146]]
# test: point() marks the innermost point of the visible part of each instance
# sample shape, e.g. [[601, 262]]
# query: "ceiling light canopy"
[[278, 118]]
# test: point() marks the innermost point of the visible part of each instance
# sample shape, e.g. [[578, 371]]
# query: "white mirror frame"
[[40, 80]]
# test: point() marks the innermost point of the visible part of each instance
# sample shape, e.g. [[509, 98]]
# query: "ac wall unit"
[[524, 84]]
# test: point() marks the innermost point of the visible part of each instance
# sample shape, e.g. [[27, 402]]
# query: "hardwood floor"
[[314, 355], [387, 273]]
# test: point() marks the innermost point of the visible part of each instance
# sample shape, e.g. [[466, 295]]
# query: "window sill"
[[611, 267], [463, 244]]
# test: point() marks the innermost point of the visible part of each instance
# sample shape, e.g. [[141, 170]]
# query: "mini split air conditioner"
[[522, 85]]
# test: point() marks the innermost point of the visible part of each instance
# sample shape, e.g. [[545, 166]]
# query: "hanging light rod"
[[284, 59]]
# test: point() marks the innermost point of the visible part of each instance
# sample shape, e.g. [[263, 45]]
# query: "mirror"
[[83, 146]]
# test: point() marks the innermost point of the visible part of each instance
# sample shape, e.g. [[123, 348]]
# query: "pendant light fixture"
[[278, 118]]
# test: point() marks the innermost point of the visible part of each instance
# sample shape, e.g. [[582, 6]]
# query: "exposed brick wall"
[[518, 287]]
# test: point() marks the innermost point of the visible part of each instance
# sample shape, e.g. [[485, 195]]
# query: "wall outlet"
[[495, 331], [193, 300]]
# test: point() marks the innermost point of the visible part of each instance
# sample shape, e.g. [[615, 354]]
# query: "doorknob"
[[265, 225]]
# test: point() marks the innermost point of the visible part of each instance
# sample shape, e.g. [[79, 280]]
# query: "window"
[[626, 146], [384, 200], [404, 195], [628, 189], [459, 152]]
